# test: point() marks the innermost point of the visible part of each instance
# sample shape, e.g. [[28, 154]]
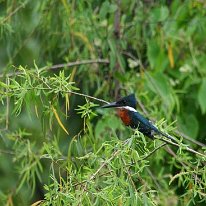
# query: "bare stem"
[[77, 63], [114, 154], [190, 139], [153, 151], [7, 106], [184, 147], [59, 66], [88, 96], [13, 12]]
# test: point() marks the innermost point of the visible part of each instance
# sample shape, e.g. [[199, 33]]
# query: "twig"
[[6, 152], [184, 164], [84, 181], [77, 63], [172, 153], [130, 176], [7, 106], [104, 164], [142, 107], [95, 174], [184, 147], [114, 154], [190, 139], [58, 66], [88, 96], [153, 151], [13, 12], [154, 179], [117, 20]]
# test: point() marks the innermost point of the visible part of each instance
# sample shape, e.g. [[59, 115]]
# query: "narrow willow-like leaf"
[[59, 120]]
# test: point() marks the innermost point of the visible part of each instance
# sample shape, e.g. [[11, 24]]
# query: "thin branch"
[[104, 164], [77, 63], [184, 147], [190, 139], [88, 96], [114, 154], [7, 106], [117, 20], [95, 174], [59, 66], [153, 151], [13, 12], [154, 179], [2, 151], [186, 165], [142, 107], [172, 153], [182, 162], [84, 181], [129, 175]]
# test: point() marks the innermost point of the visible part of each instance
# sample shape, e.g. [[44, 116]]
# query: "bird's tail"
[[168, 136]]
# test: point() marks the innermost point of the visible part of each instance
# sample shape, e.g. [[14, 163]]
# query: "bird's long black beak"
[[113, 104]]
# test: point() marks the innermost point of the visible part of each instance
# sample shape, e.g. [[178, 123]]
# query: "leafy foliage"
[[59, 60]]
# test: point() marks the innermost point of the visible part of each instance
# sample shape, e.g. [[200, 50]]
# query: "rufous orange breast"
[[123, 114]]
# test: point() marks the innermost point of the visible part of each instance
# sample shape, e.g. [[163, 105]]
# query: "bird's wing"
[[140, 119]]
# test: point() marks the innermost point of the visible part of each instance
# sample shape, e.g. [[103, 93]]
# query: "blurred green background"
[[155, 49]]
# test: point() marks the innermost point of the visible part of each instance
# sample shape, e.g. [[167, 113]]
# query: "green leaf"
[[202, 96], [110, 121], [158, 83], [3, 85], [107, 7], [188, 124], [157, 57], [152, 52], [159, 14]]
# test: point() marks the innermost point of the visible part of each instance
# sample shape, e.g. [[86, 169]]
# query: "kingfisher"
[[126, 110]]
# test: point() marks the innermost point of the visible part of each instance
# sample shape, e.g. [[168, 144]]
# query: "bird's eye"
[[124, 102]]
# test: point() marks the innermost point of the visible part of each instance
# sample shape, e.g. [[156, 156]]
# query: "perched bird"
[[126, 110]]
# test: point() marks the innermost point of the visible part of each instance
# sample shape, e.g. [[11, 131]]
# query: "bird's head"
[[128, 101]]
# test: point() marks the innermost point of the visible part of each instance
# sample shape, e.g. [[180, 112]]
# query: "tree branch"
[[59, 66], [153, 151], [77, 63], [88, 96], [13, 12], [117, 20], [190, 139], [184, 147]]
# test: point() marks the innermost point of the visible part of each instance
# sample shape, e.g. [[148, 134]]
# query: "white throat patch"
[[128, 108]]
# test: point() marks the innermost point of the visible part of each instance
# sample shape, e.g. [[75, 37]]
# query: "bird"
[[126, 110]]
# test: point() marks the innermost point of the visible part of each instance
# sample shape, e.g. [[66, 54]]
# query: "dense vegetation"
[[60, 61]]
